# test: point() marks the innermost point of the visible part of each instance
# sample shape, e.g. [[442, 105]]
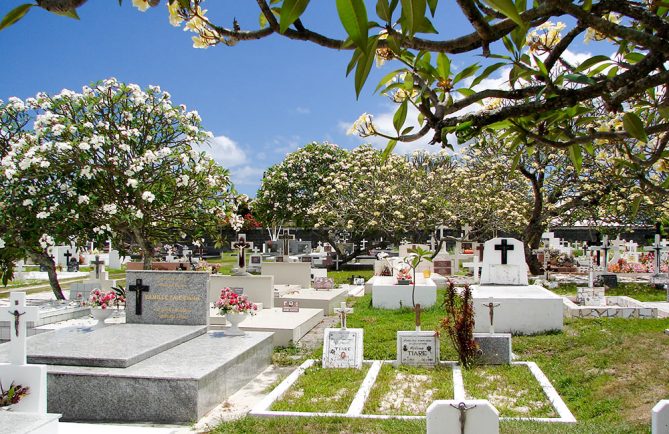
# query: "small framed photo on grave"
[[256, 259], [305, 259], [238, 291], [291, 306], [279, 259], [358, 280]]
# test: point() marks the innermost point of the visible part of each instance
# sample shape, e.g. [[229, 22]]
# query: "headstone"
[[114, 259], [342, 348], [73, 266], [504, 262], [290, 306], [323, 283], [241, 245], [417, 348], [167, 297], [660, 418], [494, 349], [474, 416], [17, 371]]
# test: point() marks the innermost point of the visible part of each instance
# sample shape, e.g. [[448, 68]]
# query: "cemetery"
[[222, 243]]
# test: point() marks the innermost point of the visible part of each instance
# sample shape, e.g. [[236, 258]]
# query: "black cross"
[[97, 264], [504, 247], [67, 255], [241, 244], [286, 237], [138, 288]]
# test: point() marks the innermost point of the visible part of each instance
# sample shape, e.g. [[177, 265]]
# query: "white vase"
[[234, 318], [101, 315]]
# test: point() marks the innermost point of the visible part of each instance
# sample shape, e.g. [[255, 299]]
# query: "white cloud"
[[225, 151], [303, 110], [247, 175]]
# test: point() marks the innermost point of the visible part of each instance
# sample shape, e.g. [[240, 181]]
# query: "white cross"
[[17, 313], [441, 231], [255, 249], [320, 244], [342, 311], [363, 244], [658, 247], [466, 228], [337, 261], [433, 242], [404, 242]]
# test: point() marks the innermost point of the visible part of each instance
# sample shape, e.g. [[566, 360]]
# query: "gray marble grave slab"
[[117, 346], [16, 422], [494, 349], [173, 297]]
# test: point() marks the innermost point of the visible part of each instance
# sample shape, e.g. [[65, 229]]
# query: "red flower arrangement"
[[230, 301], [104, 300]]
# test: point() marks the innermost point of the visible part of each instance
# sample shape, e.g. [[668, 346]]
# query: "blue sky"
[[261, 99]]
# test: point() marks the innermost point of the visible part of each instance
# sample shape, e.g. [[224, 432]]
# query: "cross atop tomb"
[[67, 255], [241, 245], [657, 248], [286, 237], [491, 312], [97, 264], [343, 311], [363, 244], [504, 247], [255, 249], [441, 229], [337, 261], [138, 288], [18, 315]]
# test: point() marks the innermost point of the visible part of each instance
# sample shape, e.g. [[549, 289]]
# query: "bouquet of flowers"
[[12, 395], [103, 300], [405, 274], [230, 301]]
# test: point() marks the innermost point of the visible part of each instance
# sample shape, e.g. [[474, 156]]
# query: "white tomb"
[[387, 294], [472, 416], [288, 273], [524, 309]]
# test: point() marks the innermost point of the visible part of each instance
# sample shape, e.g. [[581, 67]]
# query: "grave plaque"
[[342, 348], [168, 297], [256, 259], [417, 348], [306, 259], [238, 291], [291, 306]]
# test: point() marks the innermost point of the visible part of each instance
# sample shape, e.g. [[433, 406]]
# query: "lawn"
[[609, 372]]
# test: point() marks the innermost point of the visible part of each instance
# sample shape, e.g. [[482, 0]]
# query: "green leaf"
[[72, 13], [386, 78], [465, 91], [467, 72], [516, 160], [579, 78], [364, 66], [14, 15], [383, 10], [576, 157], [540, 64], [635, 205], [413, 12], [594, 60], [664, 112], [389, 150], [634, 127], [354, 60], [589, 148], [587, 5], [486, 72], [353, 16], [507, 8], [443, 65], [262, 20], [400, 116], [291, 11], [433, 6]]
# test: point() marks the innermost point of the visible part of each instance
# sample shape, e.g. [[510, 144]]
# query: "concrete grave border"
[[262, 409]]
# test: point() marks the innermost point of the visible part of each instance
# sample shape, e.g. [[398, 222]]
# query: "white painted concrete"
[[386, 294]]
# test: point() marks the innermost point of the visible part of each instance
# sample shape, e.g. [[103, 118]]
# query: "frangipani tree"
[[290, 187], [113, 161]]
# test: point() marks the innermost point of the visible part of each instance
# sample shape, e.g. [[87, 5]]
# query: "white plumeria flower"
[[148, 196]]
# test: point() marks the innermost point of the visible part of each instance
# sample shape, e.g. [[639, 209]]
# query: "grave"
[[494, 348], [162, 366], [474, 416], [417, 348], [288, 273], [387, 294], [98, 278], [31, 411], [49, 312], [342, 347], [526, 309]]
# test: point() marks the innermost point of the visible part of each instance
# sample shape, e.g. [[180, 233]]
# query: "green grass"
[[381, 327], [341, 277], [638, 291], [512, 389], [322, 390], [395, 388]]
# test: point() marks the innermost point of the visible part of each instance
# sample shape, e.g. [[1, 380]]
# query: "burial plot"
[[417, 348], [98, 278], [526, 309], [150, 370], [342, 347], [474, 416], [387, 294]]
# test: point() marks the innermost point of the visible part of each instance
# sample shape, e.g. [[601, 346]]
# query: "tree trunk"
[[532, 237], [46, 261]]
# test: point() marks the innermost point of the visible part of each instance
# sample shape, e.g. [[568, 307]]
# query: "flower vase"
[[101, 315], [234, 318]]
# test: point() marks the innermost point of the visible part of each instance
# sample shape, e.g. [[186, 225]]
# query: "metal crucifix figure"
[[491, 309], [16, 315], [462, 407]]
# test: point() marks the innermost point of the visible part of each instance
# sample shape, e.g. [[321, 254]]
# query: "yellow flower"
[[175, 18], [142, 5]]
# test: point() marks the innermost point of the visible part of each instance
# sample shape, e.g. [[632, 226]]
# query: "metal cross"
[[97, 264], [342, 311], [462, 407], [67, 255], [504, 247], [138, 288], [491, 311]]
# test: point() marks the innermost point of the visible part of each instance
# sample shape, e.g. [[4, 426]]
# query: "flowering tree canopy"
[[112, 162], [290, 188]]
